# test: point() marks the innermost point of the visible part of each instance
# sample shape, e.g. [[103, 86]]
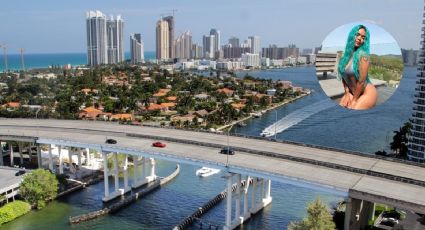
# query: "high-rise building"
[[217, 43], [254, 42], [115, 36], [293, 51], [162, 40], [208, 45], [170, 21], [246, 44], [275, 53], [416, 145], [96, 38], [251, 60], [183, 46], [234, 52], [409, 57], [136, 48], [234, 41], [307, 51], [197, 51], [104, 39]]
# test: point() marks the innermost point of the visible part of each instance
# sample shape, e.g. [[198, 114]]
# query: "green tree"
[[399, 143], [38, 187], [318, 218]]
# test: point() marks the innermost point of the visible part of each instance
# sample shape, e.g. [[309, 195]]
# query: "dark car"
[[110, 141], [158, 144], [227, 151], [20, 172]]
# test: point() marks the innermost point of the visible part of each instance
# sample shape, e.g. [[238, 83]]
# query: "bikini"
[[348, 76]]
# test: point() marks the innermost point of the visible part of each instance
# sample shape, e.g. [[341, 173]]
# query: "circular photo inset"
[[359, 65]]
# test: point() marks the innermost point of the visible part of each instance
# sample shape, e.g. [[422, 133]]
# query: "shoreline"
[[275, 106]]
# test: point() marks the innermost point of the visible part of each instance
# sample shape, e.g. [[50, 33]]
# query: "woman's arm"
[[360, 85]]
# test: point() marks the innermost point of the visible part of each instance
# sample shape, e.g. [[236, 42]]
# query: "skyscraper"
[[115, 36], [217, 44], [96, 38], [254, 42], [208, 45], [183, 46], [104, 39], [234, 41], [170, 21], [197, 52], [416, 145], [136, 48], [162, 40]]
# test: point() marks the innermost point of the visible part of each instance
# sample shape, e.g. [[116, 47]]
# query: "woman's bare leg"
[[368, 99]]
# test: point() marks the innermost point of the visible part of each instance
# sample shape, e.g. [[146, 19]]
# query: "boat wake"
[[296, 117]]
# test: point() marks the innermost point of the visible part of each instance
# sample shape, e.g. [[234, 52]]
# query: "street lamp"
[[275, 125]]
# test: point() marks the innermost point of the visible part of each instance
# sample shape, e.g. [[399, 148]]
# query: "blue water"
[[55, 59], [363, 131]]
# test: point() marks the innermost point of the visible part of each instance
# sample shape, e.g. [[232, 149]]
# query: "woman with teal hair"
[[359, 92]]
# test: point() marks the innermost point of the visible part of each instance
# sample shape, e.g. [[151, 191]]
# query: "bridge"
[[364, 179]]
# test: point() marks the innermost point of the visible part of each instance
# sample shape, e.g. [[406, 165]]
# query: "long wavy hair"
[[363, 50]]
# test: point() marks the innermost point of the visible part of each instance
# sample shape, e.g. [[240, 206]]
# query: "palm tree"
[[400, 139]]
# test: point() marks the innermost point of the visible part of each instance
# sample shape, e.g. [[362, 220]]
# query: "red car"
[[158, 144]]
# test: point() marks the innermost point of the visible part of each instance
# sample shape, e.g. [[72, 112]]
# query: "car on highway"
[[20, 172], [159, 144], [110, 141], [227, 151]]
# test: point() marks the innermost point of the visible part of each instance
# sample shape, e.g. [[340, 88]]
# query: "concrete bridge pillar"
[[253, 195], [105, 174], [39, 159], [70, 153], [88, 157], [357, 213], [237, 198], [79, 157], [60, 159], [116, 171], [267, 199], [228, 220], [136, 170], [152, 163], [145, 167], [50, 158], [126, 187], [11, 154], [246, 213], [142, 174], [1, 155], [30, 154], [21, 156]]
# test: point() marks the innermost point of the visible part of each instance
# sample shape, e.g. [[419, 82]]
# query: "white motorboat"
[[205, 171], [266, 134]]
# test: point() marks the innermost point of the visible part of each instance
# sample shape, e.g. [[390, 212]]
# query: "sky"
[[52, 26], [381, 42]]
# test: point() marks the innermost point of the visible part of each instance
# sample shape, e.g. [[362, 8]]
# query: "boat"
[[241, 124], [266, 134], [205, 171], [256, 115]]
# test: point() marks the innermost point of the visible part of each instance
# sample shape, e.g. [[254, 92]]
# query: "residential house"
[[226, 91], [11, 106], [122, 117], [91, 113]]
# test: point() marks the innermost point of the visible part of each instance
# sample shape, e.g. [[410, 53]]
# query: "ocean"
[[32, 61]]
